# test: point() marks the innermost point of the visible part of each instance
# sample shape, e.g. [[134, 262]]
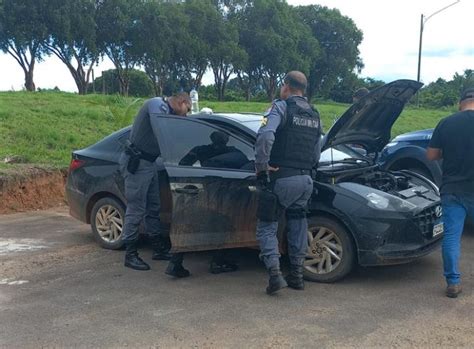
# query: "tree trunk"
[[29, 83]]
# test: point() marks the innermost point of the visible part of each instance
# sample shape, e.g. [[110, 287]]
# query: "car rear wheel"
[[107, 219], [331, 251]]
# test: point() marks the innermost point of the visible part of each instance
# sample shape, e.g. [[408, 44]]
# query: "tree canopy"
[[248, 46]]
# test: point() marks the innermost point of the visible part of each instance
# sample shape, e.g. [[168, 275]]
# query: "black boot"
[[295, 277], [161, 247], [132, 260], [175, 267], [276, 281]]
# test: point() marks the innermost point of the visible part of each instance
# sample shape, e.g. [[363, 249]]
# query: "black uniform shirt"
[[454, 135]]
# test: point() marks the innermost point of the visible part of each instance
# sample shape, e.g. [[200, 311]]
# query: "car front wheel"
[[107, 219], [331, 251]]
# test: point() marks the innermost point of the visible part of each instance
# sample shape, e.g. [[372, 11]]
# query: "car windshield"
[[338, 153]]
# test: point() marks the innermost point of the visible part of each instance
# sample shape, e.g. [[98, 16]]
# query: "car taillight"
[[75, 164]]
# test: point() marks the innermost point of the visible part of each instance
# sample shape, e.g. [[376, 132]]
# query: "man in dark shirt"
[[453, 141], [139, 169]]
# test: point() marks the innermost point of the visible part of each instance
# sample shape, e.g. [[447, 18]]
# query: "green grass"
[[43, 128]]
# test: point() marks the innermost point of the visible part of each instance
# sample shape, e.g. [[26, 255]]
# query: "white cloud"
[[389, 50]]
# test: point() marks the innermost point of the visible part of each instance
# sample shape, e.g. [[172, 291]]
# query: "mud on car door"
[[212, 184]]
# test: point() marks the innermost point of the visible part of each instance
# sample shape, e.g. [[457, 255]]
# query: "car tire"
[[331, 250], [107, 217]]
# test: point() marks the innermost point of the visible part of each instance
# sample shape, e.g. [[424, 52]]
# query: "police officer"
[[139, 168], [287, 149]]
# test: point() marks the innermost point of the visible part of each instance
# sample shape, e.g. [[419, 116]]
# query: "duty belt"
[[132, 150], [284, 172]]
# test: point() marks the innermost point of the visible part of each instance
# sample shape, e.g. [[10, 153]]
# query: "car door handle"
[[189, 190]]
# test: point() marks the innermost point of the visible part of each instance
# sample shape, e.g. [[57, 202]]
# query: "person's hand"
[[270, 169]]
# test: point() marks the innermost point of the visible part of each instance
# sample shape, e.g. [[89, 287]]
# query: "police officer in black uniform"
[[139, 168], [287, 150]]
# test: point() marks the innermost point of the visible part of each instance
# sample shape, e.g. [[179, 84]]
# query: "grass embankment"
[[43, 128]]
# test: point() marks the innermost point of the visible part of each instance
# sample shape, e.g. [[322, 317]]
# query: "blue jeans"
[[455, 209]]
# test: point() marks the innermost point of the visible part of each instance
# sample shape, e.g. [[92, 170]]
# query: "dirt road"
[[58, 289]]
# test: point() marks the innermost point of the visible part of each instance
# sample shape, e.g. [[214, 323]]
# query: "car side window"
[[192, 143]]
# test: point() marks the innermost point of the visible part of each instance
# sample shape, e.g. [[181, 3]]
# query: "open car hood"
[[369, 121]]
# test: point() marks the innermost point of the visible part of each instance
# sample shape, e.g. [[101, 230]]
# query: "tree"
[[117, 34], [198, 13], [22, 33], [139, 83], [164, 51], [276, 41], [442, 93], [226, 52], [72, 28], [339, 38]]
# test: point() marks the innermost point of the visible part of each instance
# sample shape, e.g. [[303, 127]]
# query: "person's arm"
[[266, 135], [434, 151], [157, 106], [434, 154], [190, 158]]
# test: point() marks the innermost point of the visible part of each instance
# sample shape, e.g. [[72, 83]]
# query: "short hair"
[[361, 92], [182, 97], [468, 93], [296, 80]]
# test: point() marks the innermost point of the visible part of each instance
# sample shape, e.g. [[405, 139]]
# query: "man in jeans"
[[453, 141]]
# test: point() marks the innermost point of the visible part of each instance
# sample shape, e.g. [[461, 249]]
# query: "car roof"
[[243, 121]]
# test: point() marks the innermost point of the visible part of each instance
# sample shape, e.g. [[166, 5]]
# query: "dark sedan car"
[[359, 214]]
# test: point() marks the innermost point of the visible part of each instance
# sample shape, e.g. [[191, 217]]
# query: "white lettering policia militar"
[[304, 122]]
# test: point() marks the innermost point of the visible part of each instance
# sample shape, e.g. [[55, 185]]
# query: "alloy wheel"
[[109, 223], [325, 251]]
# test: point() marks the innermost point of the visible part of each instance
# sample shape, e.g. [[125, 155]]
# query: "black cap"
[[468, 93]]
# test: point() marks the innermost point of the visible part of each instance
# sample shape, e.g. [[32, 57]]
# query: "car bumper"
[[391, 254], [77, 204], [395, 238]]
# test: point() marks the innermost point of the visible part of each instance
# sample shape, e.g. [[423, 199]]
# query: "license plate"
[[438, 229]]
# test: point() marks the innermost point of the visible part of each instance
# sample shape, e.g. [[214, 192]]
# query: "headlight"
[[378, 199]]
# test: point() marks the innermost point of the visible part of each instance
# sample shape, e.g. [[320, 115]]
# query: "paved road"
[[58, 288]]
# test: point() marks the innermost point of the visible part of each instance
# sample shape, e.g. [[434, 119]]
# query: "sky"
[[389, 49]]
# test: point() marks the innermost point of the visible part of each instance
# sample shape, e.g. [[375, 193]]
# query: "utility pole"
[[422, 27]]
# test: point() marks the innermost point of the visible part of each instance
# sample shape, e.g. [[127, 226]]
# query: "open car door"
[[210, 174]]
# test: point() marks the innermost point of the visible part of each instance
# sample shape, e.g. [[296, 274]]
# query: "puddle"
[[20, 245]]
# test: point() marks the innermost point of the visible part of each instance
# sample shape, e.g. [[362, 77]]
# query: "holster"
[[133, 163], [269, 208], [134, 156]]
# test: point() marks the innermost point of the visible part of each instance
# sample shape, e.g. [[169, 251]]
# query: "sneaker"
[[452, 291]]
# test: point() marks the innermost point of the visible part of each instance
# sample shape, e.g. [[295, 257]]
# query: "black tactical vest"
[[297, 137]]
